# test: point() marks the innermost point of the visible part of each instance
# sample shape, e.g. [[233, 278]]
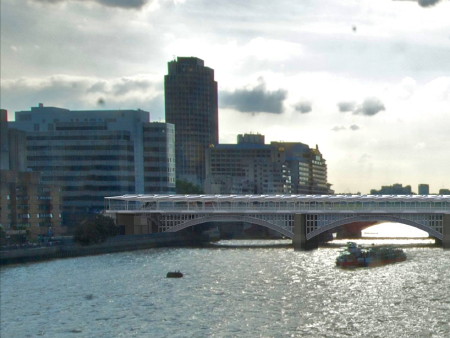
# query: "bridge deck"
[[279, 203]]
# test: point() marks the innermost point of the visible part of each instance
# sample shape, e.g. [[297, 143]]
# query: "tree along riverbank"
[[113, 244]]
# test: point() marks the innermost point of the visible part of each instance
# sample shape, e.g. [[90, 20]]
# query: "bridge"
[[300, 217]]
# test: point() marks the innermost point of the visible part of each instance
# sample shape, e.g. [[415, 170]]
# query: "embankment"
[[115, 244]]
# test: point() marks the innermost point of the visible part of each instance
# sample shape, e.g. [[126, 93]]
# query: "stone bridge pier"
[[446, 232]]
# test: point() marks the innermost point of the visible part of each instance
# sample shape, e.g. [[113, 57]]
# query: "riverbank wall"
[[115, 244]]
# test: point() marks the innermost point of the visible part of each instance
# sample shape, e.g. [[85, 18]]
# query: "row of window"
[[98, 188], [78, 137], [39, 215], [95, 178], [109, 147], [82, 158], [27, 197], [91, 167]]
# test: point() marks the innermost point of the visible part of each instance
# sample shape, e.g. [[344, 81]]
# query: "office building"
[[424, 189], [4, 146], [249, 167], [191, 105], [159, 158], [307, 168], [253, 167], [395, 189], [93, 154], [28, 208]]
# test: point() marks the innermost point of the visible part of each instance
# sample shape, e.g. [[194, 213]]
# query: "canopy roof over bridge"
[[279, 198], [279, 203]]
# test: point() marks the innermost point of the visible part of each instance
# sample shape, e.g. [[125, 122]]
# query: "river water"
[[227, 292]]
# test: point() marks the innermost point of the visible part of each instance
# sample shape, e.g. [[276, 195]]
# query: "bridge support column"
[[446, 232], [299, 241]]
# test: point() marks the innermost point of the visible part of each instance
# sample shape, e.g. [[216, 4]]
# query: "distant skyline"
[[368, 81]]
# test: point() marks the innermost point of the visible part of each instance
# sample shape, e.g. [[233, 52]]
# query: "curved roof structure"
[[275, 198]]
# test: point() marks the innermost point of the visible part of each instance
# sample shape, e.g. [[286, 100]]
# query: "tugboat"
[[355, 257]]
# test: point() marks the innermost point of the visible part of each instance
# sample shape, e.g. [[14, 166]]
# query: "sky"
[[367, 81]]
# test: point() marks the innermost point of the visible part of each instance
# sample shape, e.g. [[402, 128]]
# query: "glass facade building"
[[98, 153]]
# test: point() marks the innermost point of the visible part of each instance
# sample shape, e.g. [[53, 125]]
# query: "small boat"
[[355, 256], [174, 274]]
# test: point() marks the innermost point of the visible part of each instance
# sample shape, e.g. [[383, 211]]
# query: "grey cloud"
[[427, 3], [370, 106], [254, 100], [84, 93], [127, 85], [346, 106], [304, 107], [128, 4], [353, 127], [97, 87], [424, 3]]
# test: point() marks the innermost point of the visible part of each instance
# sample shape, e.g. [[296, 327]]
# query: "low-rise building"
[[29, 207], [395, 189], [444, 191], [424, 189]]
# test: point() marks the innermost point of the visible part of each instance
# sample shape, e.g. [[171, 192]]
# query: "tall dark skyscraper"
[[191, 105]]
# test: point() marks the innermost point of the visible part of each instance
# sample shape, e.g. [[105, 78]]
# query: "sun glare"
[[393, 230]]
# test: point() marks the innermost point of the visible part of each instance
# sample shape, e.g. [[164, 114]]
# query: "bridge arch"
[[233, 218], [368, 218]]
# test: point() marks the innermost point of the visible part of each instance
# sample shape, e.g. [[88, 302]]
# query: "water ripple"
[[247, 292]]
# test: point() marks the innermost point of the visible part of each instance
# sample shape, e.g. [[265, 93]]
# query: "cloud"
[[370, 106], [129, 85], [255, 100], [127, 4], [304, 107], [353, 127], [424, 3], [85, 93], [346, 106], [427, 3]]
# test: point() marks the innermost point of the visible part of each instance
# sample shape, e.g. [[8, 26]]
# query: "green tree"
[[95, 229], [185, 187]]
